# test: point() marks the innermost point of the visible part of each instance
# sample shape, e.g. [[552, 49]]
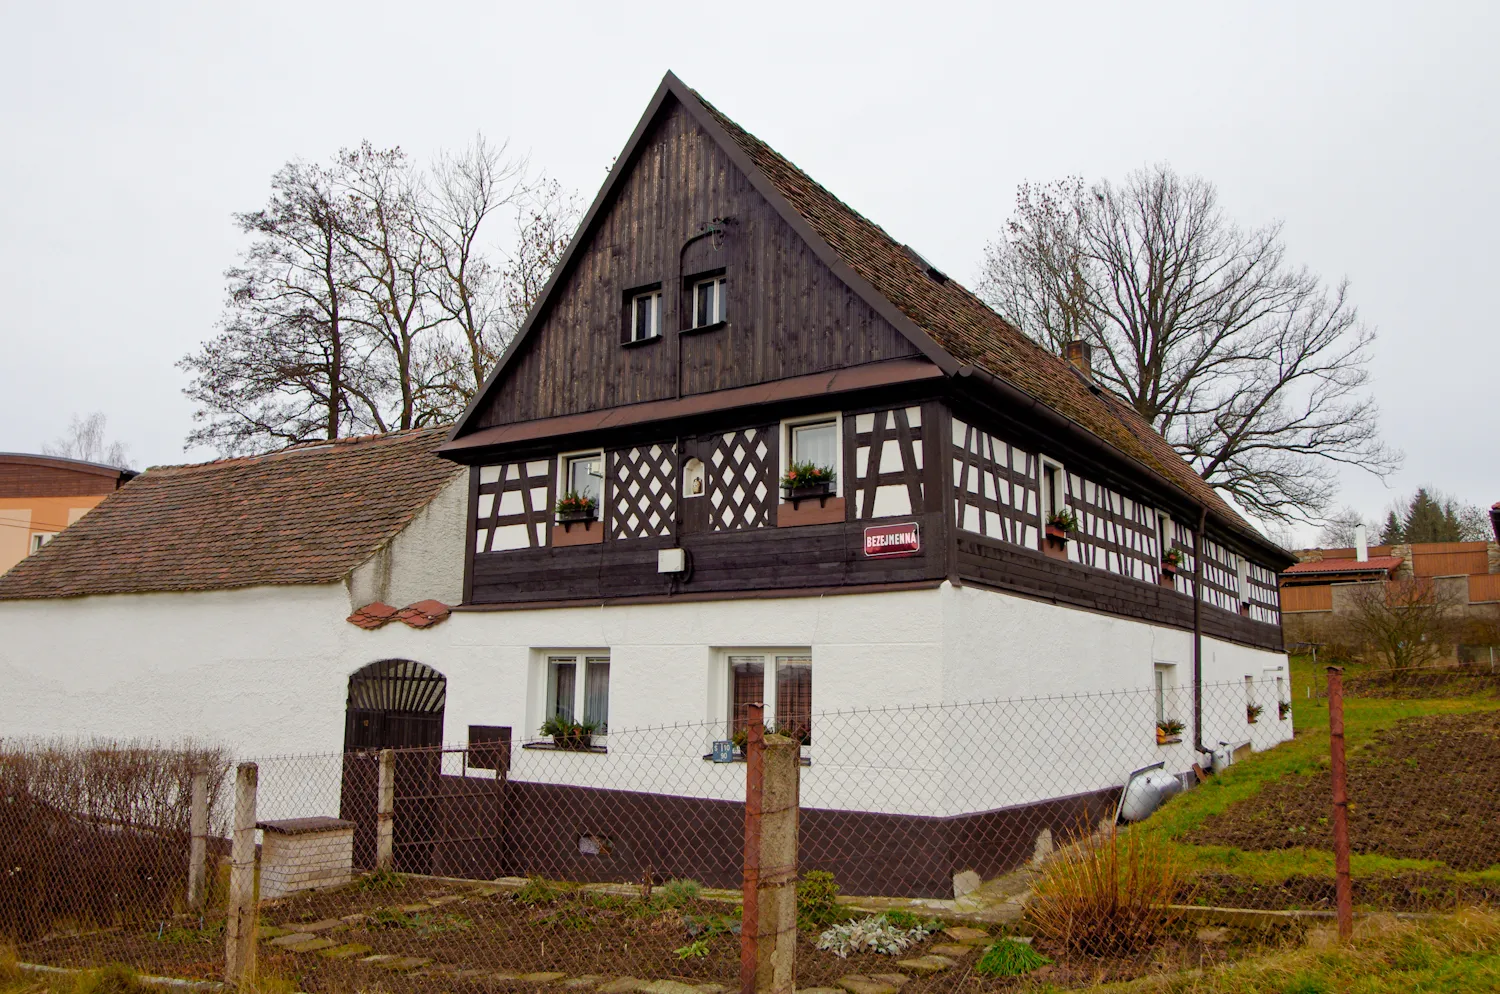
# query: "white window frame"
[[654, 298], [719, 285], [539, 707], [564, 459], [1047, 497], [720, 714], [1164, 678], [837, 418], [39, 539]]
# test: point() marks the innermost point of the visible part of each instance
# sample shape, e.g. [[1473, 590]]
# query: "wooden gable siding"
[[788, 314]]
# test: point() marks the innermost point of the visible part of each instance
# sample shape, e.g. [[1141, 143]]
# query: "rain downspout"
[[1198, 630]]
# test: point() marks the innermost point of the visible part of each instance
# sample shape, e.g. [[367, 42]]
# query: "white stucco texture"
[[425, 560]]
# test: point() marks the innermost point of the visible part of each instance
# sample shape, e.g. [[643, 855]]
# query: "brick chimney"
[[1080, 354]]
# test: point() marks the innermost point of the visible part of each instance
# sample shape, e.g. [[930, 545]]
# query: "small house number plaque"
[[893, 540], [724, 751]]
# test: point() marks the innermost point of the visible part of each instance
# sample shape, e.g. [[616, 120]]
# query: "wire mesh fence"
[[925, 834]]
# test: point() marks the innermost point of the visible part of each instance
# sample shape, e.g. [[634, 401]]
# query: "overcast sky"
[[130, 132]]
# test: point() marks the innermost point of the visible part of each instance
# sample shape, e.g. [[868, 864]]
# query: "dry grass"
[[1107, 893]]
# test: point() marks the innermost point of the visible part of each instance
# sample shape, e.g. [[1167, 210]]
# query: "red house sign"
[[893, 540]]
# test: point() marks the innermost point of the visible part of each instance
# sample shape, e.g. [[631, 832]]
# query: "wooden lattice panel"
[[642, 491], [514, 506], [1265, 601], [1115, 533], [742, 485], [995, 487], [887, 465]]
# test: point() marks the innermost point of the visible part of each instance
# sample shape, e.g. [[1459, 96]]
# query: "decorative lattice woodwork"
[[642, 491], [742, 484], [1265, 603], [995, 487], [1221, 581], [514, 506], [1114, 533], [885, 477]]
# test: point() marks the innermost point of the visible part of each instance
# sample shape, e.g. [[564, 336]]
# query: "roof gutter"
[[1058, 422]]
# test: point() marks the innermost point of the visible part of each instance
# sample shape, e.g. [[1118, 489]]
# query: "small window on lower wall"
[[781, 680], [577, 691]]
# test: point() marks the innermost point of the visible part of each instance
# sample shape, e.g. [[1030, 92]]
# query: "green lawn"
[[1306, 753]]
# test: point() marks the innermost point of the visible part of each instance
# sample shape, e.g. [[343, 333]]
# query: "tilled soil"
[[476, 939], [1426, 788]]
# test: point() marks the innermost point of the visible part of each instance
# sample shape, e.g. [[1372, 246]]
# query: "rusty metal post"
[[1344, 888], [239, 952], [754, 786], [385, 811], [198, 843]]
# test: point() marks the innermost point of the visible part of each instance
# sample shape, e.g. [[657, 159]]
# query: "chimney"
[[1495, 519], [1080, 354], [1361, 545]]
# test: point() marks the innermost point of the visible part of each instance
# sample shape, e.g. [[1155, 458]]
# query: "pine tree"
[[1427, 520], [1392, 533]]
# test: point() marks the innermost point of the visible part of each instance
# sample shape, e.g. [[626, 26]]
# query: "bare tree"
[[1404, 623], [1253, 369], [86, 440], [1339, 528], [544, 228], [287, 365]]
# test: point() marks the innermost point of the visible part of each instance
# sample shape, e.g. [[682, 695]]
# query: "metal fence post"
[[239, 952], [385, 811], [198, 843], [1344, 889]]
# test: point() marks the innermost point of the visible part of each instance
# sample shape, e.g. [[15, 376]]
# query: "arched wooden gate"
[[394, 704]]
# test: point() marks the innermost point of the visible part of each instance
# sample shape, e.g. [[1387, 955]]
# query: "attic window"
[[709, 305], [645, 316]]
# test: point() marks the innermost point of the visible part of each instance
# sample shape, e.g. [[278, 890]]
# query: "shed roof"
[[306, 514], [1375, 564]]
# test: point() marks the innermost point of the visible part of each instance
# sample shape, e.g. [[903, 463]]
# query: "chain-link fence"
[[925, 835]]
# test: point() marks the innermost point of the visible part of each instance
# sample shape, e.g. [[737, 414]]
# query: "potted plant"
[[1253, 712], [1284, 710], [1169, 731], [1171, 561], [574, 507], [1060, 524], [804, 481], [569, 734]]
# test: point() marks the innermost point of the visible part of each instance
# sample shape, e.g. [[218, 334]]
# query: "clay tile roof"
[[1373, 564], [306, 514], [967, 328]]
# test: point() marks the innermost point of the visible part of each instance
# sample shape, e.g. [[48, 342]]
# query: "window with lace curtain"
[[578, 689], [780, 680]]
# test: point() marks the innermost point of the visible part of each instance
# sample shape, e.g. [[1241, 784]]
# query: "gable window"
[[709, 304], [578, 690], [782, 681], [645, 316]]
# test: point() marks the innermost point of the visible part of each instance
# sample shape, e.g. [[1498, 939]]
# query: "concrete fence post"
[[1343, 886], [385, 811], [239, 953], [198, 843], [768, 928]]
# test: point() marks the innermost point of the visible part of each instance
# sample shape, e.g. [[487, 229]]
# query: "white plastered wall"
[[264, 671], [425, 560]]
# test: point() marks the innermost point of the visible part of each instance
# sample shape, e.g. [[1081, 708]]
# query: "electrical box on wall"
[[671, 560]]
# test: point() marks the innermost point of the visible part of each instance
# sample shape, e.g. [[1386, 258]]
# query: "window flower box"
[[804, 481], [1169, 732], [574, 508], [1284, 710], [1171, 565], [574, 736], [1253, 713]]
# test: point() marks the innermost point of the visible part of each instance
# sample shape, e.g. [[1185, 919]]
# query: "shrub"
[[677, 893], [876, 934], [1009, 958], [1105, 895], [817, 900], [536, 891]]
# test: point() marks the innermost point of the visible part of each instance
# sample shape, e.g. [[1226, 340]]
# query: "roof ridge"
[[311, 445]]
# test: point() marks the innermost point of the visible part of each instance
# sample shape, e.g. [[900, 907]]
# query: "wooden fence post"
[[198, 843], [1343, 886], [385, 811], [768, 926], [239, 953]]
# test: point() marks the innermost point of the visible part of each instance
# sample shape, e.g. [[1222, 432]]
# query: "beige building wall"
[[23, 518]]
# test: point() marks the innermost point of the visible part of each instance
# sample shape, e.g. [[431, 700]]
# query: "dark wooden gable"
[[788, 313]]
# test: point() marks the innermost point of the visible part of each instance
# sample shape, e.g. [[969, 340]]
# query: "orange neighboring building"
[[42, 495]]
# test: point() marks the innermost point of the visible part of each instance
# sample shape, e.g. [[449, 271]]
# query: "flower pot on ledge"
[[576, 743], [570, 518], [1056, 542], [1162, 738], [1168, 577]]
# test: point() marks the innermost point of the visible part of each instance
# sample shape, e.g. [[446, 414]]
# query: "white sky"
[[130, 132]]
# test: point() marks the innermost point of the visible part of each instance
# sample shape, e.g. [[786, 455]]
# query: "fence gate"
[[394, 704]]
